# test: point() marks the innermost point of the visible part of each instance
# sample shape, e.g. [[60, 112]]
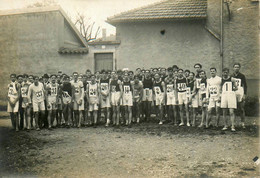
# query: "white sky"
[[97, 10]]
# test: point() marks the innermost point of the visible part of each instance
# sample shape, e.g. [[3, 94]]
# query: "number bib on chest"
[[227, 87], [53, 91], [198, 81], [39, 95], [77, 90], [24, 91], [92, 90], [213, 91], [238, 82], [181, 87], [126, 89], [12, 92], [202, 88], [157, 90], [104, 87]]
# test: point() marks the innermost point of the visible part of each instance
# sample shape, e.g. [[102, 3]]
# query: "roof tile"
[[171, 9]]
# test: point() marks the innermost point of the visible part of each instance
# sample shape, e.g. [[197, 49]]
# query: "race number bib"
[[227, 87], [198, 81], [181, 86], [77, 90], [11, 92], [213, 90], [53, 91], [202, 88], [39, 94], [104, 87], [113, 88], [157, 90], [126, 89], [65, 94], [238, 82], [24, 92], [147, 92], [92, 92], [169, 88]]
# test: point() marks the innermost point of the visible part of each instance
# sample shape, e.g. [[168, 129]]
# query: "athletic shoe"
[[38, 129], [181, 124], [201, 125], [188, 124], [233, 129], [160, 123], [225, 128], [107, 125], [243, 125]]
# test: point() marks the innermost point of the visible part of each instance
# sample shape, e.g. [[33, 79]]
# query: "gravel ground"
[[145, 150]]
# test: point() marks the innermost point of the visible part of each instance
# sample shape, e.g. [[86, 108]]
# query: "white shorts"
[[105, 102], [159, 99], [239, 94], [77, 107], [195, 101], [127, 99], [38, 106], [228, 100], [115, 96], [93, 107], [52, 104], [213, 103], [171, 99], [147, 94], [182, 98], [14, 109]]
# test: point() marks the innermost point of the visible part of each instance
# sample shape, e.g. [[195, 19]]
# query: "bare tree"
[[43, 3], [85, 27]]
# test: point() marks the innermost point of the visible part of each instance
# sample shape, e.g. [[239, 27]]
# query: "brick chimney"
[[104, 34]]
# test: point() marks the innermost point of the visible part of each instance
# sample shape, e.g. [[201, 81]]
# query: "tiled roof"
[[73, 50], [171, 9]]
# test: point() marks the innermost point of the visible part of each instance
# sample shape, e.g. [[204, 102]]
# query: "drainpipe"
[[221, 34]]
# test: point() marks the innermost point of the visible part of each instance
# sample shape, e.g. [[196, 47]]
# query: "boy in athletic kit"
[[171, 96], [127, 99], [115, 96], [241, 91], [137, 97], [20, 110], [147, 95], [59, 102], [66, 91], [160, 94], [36, 97], [25, 102], [93, 98], [13, 101], [52, 100], [202, 96], [181, 85], [105, 97], [228, 98], [213, 95], [78, 99], [190, 93]]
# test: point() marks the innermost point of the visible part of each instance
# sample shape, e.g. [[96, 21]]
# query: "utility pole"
[[221, 34]]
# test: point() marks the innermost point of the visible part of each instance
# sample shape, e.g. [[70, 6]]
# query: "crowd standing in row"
[[124, 97]]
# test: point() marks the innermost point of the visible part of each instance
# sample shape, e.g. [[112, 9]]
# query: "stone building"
[[38, 41], [185, 32]]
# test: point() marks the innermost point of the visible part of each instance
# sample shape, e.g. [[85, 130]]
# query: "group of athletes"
[[124, 97]]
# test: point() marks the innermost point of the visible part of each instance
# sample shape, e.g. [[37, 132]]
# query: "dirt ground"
[[145, 150]]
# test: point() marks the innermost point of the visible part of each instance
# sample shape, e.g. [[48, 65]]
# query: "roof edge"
[[45, 9]]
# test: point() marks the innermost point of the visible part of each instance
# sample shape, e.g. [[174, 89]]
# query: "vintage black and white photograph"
[[129, 88]]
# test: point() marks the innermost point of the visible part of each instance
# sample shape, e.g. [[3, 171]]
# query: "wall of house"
[[184, 43], [29, 43]]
